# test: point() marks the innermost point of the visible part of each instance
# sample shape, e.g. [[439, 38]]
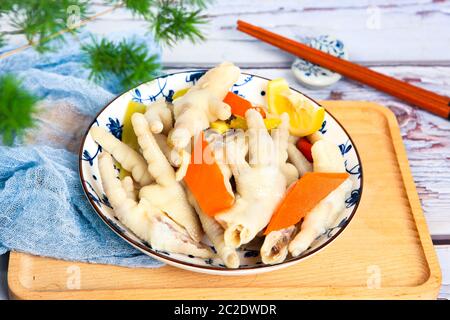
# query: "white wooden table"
[[408, 39]]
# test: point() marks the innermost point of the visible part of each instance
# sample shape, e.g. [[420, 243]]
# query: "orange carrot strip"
[[302, 197], [206, 181], [240, 105]]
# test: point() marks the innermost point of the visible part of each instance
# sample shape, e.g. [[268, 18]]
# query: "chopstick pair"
[[430, 101]]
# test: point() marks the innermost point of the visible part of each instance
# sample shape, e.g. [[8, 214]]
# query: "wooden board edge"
[[429, 289], [17, 291], [15, 288], [434, 281]]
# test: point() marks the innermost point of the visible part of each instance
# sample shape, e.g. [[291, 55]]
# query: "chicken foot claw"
[[167, 194], [202, 104], [260, 183], [128, 158], [147, 222]]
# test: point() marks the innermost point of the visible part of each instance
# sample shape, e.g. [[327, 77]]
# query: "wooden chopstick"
[[420, 97], [350, 68]]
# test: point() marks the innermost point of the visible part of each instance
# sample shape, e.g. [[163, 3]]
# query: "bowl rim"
[[211, 269]]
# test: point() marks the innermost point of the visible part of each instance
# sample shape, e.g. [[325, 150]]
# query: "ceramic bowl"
[[253, 88]]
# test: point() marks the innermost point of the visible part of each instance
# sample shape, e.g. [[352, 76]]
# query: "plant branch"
[[128, 60], [17, 108], [61, 32]]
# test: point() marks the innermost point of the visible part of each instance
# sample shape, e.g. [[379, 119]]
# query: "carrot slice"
[[206, 181], [302, 197], [305, 148], [240, 105]]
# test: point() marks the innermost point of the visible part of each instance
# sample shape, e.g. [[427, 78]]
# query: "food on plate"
[[205, 180], [179, 93], [305, 146], [320, 218], [130, 159], [306, 117], [316, 136], [240, 123], [128, 135], [302, 197], [203, 104], [212, 165], [220, 126], [260, 183], [146, 221], [275, 246], [326, 158], [159, 117], [298, 160], [166, 194], [215, 233], [239, 105]]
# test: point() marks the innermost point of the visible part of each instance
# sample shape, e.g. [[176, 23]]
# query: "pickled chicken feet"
[[203, 104], [128, 158], [159, 117], [275, 247], [215, 233], [260, 182], [147, 222], [327, 158], [166, 194]]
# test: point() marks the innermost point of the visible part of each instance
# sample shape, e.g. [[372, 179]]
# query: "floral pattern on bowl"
[[252, 88], [313, 76]]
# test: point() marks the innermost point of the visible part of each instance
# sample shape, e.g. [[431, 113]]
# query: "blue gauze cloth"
[[43, 209]]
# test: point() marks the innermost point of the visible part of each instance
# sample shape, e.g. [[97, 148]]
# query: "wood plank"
[[410, 30], [443, 253]]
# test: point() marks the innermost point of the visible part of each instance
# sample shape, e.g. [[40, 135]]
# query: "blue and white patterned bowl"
[[252, 88]]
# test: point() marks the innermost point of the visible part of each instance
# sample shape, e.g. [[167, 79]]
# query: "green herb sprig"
[[137, 7], [128, 60], [17, 108], [172, 23], [41, 20], [170, 20]]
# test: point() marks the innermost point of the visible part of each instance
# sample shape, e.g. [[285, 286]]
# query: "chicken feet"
[[260, 182], [167, 194], [147, 222], [203, 104]]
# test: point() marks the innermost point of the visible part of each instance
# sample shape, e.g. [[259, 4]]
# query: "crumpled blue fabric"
[[43, 209]]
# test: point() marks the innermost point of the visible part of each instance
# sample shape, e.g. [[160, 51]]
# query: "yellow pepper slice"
[[128, 135], [241, 123], [180, 93], [220, 126]]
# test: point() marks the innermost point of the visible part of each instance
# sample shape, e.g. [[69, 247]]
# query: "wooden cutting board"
[[385, 252]]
